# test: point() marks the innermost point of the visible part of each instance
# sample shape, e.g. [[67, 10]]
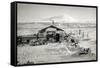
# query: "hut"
[[51, 34]]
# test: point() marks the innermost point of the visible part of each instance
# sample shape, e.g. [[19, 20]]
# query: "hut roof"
[[51, 26]]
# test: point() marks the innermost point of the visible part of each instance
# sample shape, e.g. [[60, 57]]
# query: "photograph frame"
[[14, 19]]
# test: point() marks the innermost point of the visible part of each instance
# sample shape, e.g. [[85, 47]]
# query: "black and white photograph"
[[55, 33]]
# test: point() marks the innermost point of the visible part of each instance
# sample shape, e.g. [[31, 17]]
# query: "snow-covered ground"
[[51, 53]]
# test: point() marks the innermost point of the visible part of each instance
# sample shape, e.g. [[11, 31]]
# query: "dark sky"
[[33, 12]]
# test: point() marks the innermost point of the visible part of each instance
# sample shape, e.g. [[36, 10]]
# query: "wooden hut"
[[51, 33]]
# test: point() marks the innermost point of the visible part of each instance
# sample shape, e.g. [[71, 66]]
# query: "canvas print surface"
[[51, 34]]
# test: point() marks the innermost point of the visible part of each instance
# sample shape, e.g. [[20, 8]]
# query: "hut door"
[[57, 37]]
